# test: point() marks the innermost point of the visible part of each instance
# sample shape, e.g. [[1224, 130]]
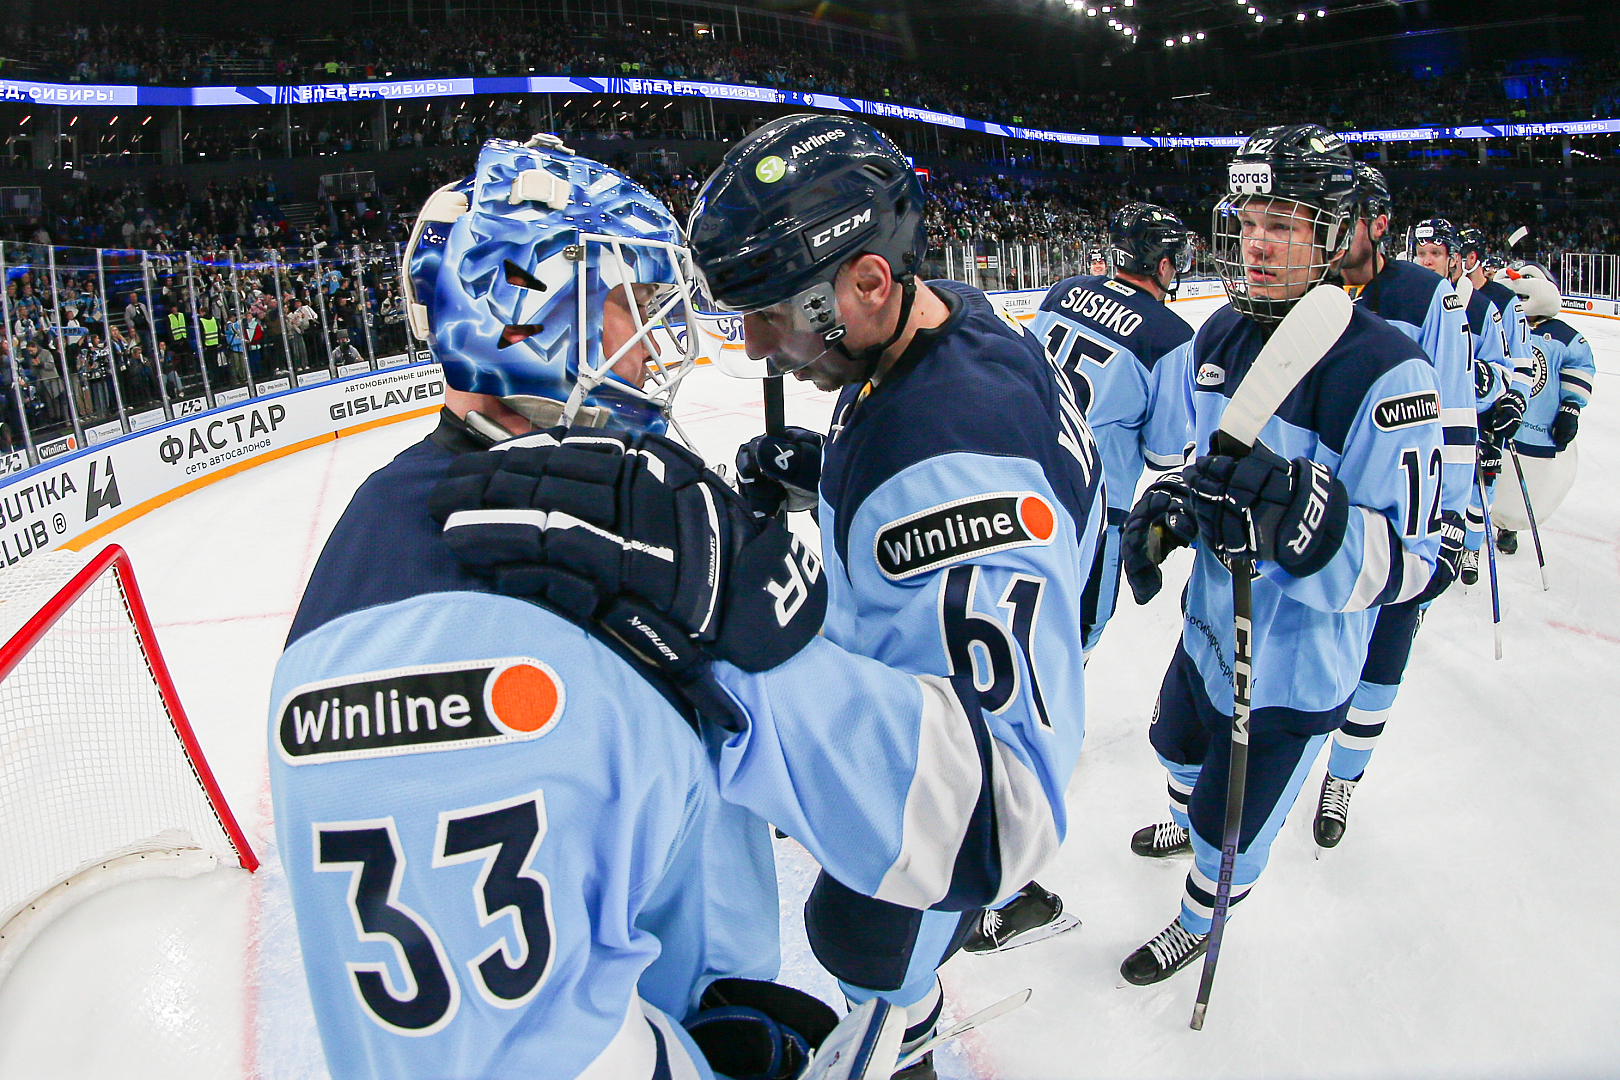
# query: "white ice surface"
[[1461, 930]]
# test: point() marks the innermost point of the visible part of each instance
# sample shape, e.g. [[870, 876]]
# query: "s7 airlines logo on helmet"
[[1249, 178], [956, 531], [824, 233]]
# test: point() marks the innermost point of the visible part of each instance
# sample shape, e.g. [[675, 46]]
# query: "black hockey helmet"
[[1141, 234], [790, 205], [1301, 171], [1435, 230], [1372, 191], [796, 200], [1471, 238]]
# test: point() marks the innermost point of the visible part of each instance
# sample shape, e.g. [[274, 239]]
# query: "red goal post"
[[101, 777]]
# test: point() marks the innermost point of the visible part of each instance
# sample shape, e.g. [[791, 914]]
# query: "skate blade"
[[1060, 925]]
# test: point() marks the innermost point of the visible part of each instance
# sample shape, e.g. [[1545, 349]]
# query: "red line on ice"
[[1610, 638]]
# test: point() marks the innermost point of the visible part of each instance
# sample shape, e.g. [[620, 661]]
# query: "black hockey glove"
[[1501, 420], [1449, 563], [1490, 461], [778, 470], [758, 1030], [1160, 522], [1565, 424], [636, 534], [1262, 507]]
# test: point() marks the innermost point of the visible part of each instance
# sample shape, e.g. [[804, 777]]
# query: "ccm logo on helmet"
[[825, 233]]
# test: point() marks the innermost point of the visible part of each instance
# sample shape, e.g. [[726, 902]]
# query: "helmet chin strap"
[[869, 357]]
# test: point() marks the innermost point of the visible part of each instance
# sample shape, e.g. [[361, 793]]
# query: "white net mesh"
[[91, 766]]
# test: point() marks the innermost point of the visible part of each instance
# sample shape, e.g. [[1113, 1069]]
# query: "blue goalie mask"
[[509, 272]]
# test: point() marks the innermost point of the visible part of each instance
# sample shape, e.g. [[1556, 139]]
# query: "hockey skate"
[[1161, 841], [1333, 810], [1172, 949], [1035, 914], [1507, 541], [1470, 568]]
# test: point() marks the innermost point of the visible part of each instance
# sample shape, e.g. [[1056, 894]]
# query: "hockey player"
[[1423, 305], [1324, 502], [1099, 262], [1499, 397], [960, 505], [1108, 335], [506, 847]]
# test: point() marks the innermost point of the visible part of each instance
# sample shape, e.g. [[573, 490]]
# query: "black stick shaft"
[[775, 406], [1529, 512], [1237, 776]]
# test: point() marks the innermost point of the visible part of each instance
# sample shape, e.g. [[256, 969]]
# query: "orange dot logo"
[[525, 697], [1036, 516]]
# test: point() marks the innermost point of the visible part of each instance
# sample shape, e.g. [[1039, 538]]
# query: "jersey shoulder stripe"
[[1403, 292], [1559, 330]]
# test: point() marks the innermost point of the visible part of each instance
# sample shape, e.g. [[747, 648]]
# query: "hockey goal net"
[[101, 778]]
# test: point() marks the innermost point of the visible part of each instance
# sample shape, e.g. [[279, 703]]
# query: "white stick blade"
[[864, 1046], [1298, 344]]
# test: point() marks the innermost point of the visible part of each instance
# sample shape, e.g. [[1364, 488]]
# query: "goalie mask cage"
[[101, 778]]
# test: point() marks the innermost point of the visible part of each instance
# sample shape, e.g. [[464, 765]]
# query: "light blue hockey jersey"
[[961, 502], [507, 850], [1423, 306], [1108, 336], [1370, 412], [1563, 371]]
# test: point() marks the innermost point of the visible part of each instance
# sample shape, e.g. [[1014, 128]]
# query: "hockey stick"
[[1529, 512], [1490, 555], [1296, 346], [978, 1019]]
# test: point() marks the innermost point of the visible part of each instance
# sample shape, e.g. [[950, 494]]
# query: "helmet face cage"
[[509, 273], [1270, 250]]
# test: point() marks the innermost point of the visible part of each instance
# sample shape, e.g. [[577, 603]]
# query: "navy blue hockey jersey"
[[507, 851], [960, 508], [1423, 305], [1109, 336], [1370, 412]]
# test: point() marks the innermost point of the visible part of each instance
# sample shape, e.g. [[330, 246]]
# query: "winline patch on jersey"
[[415, 710], [954, 531]]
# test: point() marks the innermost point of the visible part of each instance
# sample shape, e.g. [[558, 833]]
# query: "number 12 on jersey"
[[503, 836]]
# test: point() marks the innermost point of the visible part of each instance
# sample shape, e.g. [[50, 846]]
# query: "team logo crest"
[[1541, 372], [960, 530], [419, 709]]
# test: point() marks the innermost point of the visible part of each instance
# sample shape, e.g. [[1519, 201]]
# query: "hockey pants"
[[1193, 741], [1102, 590], [1387, 654]]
